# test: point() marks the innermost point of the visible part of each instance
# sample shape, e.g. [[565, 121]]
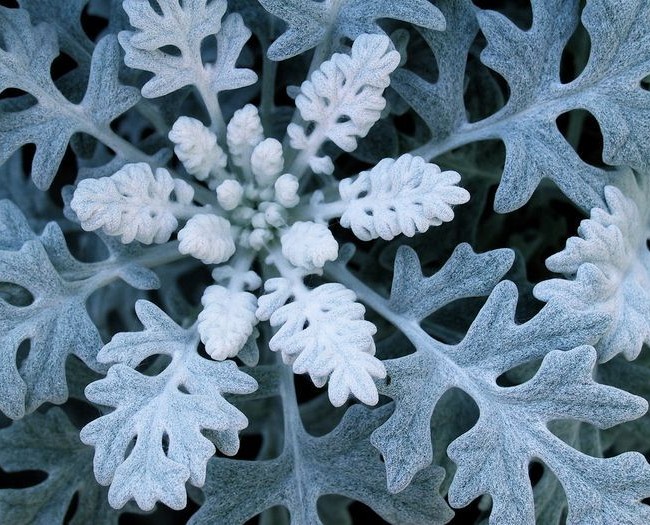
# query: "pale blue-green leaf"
[[465, 274], [50, 443], [310, 23], [341, 462]]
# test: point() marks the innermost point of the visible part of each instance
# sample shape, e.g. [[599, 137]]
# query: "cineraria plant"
[[272, 262]]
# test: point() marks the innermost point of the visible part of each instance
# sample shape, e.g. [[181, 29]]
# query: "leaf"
[[65, 17], [173, 406], [493, 456], [323, 333], [52, 319], [598, 490], [25, 61], [55, 324], [401, 196], [230, 41], [344, 96], [341, 462], [133, 203], [50, 443], [311, 23], [608, 271], [529, 60], [465, 274], [440, 104], [227, 321], [181, 26]]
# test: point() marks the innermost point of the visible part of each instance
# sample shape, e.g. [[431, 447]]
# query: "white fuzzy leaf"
[[179, 402], [243, 133], [132, 203], [608, 271], [208, 238], [182, 26], [406, 195], [309, 245], [227, 321], [344, 95], [196, 147], [323, 333]]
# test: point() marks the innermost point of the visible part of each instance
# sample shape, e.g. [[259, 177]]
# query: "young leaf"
[[608, 270], [401, 196], [323, 333], [344, 96]]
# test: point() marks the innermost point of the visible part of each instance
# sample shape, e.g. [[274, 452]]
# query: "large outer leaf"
[[529, 60], [25, 59], [341, 462], [311, 23], [56, 324], [492, 457], [52, 316], [49, 442]]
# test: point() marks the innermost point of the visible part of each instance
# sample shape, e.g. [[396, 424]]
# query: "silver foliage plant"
[[280, 220]]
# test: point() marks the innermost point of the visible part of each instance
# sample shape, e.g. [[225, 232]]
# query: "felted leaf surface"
[[56, 325], [49, 442], [341, 462], [322, 332], [404, 195], [181, 26], [465, 274], [529, 60], [310, 23], [608, 270], [65, 17], [493, 457], [174, 405], [43, 306], [26, 55]]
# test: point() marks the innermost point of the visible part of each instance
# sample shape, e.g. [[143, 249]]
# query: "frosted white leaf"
[[286, 190], [226, 321], [179, 402], [258, 238], [267, 161], [608, 271], [196, 147], [323, 333], [406, 195], [323, 165], [344, 95], [243, 133], [132, 203], [297, 137], [229, 194], [309, 245], [208, 238], [223, 73], [278, 291], [274, 214]]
